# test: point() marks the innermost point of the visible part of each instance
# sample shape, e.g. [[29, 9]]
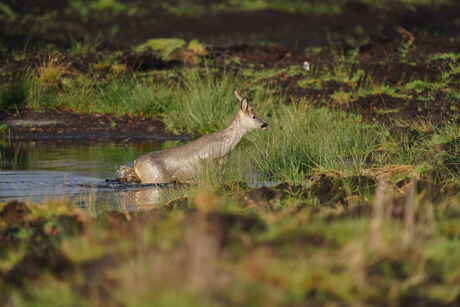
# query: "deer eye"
[[253, 117]]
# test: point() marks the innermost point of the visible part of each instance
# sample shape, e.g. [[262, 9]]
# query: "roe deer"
[[182, 163]]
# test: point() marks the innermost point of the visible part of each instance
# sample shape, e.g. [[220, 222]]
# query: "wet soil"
[[434, 106], [341, 197], [57, 125], [255, 56]]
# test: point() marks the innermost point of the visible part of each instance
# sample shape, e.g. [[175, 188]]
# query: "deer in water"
[[182, 163]]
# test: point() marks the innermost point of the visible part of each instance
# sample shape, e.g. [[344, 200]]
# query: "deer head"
[[247, 116]]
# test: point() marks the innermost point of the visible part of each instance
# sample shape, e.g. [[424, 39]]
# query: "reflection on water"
[[13, 157], [78, 172], [128, 199], [144, 199]]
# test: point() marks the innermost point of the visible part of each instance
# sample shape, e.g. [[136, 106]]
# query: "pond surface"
[[41, 171], [83, 174]]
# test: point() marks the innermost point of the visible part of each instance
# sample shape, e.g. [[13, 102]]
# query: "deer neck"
[[234, 132]]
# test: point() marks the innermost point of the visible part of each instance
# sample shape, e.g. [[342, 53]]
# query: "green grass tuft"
[[302, 139]]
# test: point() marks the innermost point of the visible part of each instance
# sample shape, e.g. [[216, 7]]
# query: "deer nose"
[[264, 126]]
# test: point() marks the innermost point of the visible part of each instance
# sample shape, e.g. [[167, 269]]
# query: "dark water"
[[77, 172]]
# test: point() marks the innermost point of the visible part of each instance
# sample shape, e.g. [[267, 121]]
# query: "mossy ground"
[[364, 149]]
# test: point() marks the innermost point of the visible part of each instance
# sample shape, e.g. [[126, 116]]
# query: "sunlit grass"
[[198, 102], [302, 139]]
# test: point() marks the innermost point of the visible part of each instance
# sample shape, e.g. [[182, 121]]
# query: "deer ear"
[[238, 96], [244, 105]]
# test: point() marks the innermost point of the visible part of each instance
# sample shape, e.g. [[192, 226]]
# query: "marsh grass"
[[302, 139], [433, 152], [118, 97], [199, 102], [204, 104]]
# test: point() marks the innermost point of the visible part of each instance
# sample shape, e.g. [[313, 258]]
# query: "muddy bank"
[[57, 125]]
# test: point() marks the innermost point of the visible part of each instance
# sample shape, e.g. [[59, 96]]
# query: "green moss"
[[164, 46], [196, 47]]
